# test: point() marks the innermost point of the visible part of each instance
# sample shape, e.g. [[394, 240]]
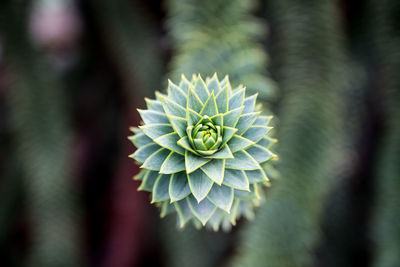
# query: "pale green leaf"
[[215, 170], [218, 119], [166, 208], [154, 105], [148, 181], [184, 212], [193, 162], [256, 176], [213, 84], [249, 103], [179, 124], [172, 108], [193, 117], [199, 184], [193, 101], [242, 161], [266, 142], [255, 133], [232, 117], [222, 100], [224, 153], [179, 186], [210, 106], [236, 179], [169, 141], [155, 161], [176, 94], [263, 120], [228, 134], [160, 190], [173, 163], [239, 143], [140, 139], [144, 152], [184, 84], [201, 90], [260, 154], [184, 142], [156, 130], [245, 121], [203, 210], [237, 99], [221, 196], [151, 116]]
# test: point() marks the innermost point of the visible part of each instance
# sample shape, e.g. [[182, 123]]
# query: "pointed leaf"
[[199, 184], [215, 170], [179, 186], [221, 196], [193, 162], [179, 124], [255, 133], [256, 176], [148, 181], [239, 143], [236, 179], [228, 134], [144, 152], [193, 117], [232, 117], [194, 101], [155, 161], [217, 119], [237, 99], [263, 120], [210, 107], [184, 142], [203, 210], [213, 84], [201, 90], [249, 103], [242, 161], [151, 116], [166, 208], [245, 121], [185, 84], [266, 142], [140, 139], [176, 94], [154, 105], [184, 212], [156, 130], [173, 163], [169, 141], [261, 154], [160, 190], [224, 153], [172, 108], [222, 99]]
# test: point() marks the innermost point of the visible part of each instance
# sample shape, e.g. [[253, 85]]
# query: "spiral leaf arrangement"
[[203, 147]]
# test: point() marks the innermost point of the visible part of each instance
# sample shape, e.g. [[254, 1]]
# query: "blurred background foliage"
[[73, 72]]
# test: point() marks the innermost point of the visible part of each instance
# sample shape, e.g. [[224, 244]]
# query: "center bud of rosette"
[[205, 137]]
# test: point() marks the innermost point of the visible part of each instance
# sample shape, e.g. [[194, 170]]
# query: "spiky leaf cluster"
[[202, 147]]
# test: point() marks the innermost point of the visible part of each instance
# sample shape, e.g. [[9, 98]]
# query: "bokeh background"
[[73, 72]]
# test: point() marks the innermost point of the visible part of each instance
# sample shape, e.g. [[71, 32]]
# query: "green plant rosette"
[[203, 148]]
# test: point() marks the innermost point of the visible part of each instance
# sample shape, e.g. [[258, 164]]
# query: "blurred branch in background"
[[385, 32], [42, 142], [312, 75], [220, 36], [131, 38]]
